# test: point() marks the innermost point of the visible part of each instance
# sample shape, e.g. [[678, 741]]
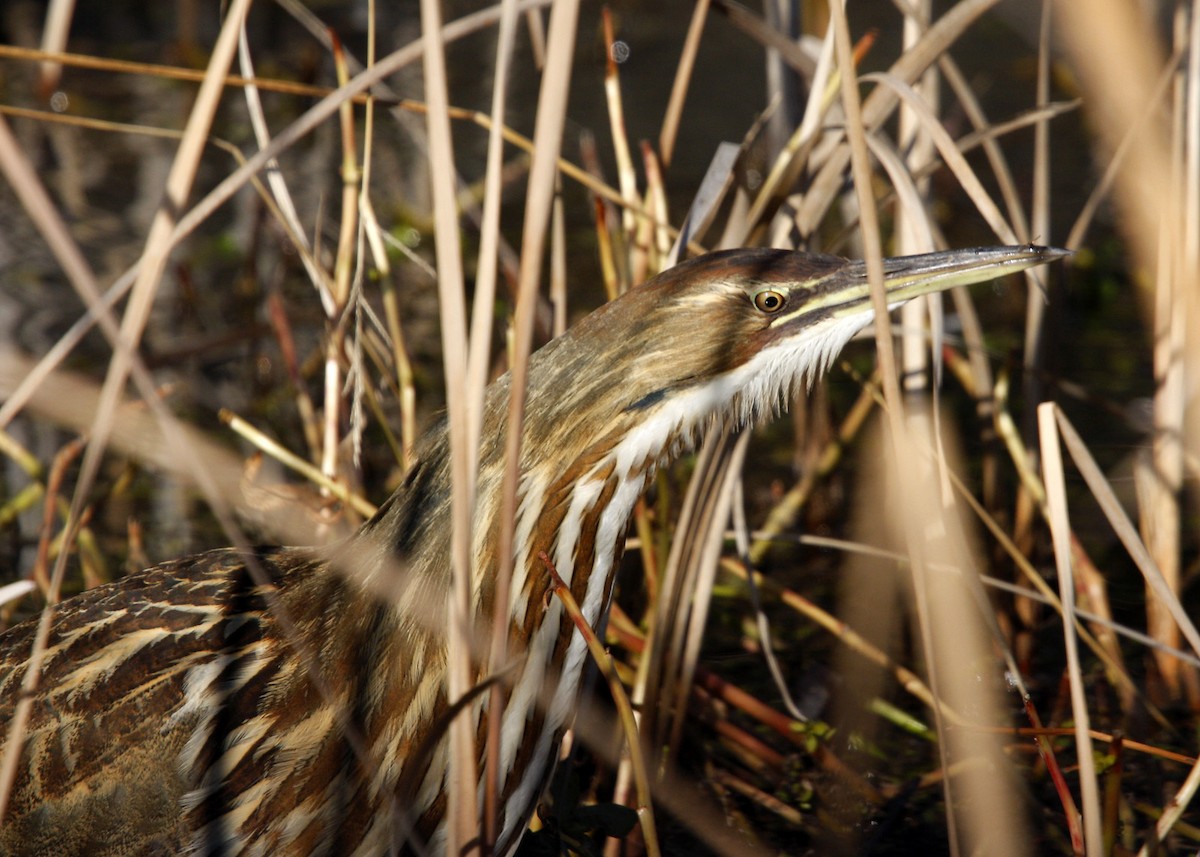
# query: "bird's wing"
[[136, 679]]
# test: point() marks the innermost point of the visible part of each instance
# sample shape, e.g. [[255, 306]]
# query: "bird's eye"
[[769, 300]]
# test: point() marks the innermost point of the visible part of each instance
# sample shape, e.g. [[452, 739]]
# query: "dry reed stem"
[[1158, 474], [1033, 492], [686, 588], [165, 72], [762, 623], [339, 310], [656, 200], [679, 89], [1056, 501], [1117, 58], [1040, 203], [1188, 259], [558, 286], [986, 134], [477, 367], [624, 710], [794, 156], [376, 238], [755, 27], [965, 637], [274, 176], [1122, 151], [568, 169], [913, 231], [879, 104], [54, 39], [54, 481], [288, 459], [898, 433], [1124, 529], [461, 779], [539, 195], [626, 176], [712, 191]]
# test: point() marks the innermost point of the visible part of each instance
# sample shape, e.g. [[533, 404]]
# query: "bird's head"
[[731, 334]]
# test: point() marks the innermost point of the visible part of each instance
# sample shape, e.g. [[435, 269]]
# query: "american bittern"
[[176, 711]]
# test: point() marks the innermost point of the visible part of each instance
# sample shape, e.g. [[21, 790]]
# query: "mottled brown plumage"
[[187, 708]]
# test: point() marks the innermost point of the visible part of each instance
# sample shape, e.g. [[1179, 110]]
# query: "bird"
[[292, 701]]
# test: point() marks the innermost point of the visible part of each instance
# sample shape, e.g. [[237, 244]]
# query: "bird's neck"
[[576, 494]]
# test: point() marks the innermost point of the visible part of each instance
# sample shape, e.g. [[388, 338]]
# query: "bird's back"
[[165, 707]]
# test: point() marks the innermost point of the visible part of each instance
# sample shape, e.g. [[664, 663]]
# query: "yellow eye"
[[769, 300]]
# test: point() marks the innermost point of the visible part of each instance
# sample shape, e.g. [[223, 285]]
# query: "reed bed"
[[945, 606]]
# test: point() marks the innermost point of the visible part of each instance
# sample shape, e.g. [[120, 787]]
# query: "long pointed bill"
[[845, 292]]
